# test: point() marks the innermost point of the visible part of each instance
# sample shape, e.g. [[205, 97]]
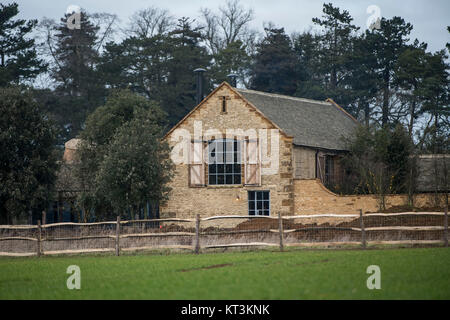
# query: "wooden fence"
[[122, 236]]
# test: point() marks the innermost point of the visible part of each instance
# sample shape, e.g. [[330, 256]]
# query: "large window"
[[259, 203], [224, 162]]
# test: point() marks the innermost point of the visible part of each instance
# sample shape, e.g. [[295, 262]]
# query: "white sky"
[[430, 18]]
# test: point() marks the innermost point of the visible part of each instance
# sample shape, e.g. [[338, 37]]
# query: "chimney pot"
[[232, 79], [199, 72]]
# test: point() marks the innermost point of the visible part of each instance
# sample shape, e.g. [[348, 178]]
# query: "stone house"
[[240, 152]]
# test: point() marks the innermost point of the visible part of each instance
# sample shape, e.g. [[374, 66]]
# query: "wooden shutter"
[[252, 162], [196, 166]]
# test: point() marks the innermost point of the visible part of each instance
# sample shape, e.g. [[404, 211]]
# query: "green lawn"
[[422, 273]]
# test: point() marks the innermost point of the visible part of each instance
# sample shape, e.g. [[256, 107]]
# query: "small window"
[[259, 203], [224, 104]]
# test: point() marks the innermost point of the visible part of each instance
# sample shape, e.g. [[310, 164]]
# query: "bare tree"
[[149, 22], [230, 24], [107, 24], [46, 44], [46, 35]]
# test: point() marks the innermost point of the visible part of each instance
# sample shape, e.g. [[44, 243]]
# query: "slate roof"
[[317, 124]]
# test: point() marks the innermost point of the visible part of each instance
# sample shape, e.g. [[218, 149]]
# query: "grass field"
[[421, 273]]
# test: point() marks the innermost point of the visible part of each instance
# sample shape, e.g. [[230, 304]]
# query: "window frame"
[[255, 200], [237, 161]]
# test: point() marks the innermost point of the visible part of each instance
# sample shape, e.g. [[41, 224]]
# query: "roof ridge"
[[276, 95]]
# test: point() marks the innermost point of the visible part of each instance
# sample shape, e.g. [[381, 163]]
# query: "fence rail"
[[225, 232]]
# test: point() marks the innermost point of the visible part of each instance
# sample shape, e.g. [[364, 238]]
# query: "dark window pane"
[[237, 168], [212, 168], [212, 179], [229, 179], [220, 168], [257, 204], [237, 179], [220, 179], [229, 168], [251, 213]]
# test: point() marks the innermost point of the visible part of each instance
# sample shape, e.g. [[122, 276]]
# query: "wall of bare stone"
[[312, 197]]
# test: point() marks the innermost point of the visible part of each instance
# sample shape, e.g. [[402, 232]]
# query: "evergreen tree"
[[136, 166], [186, 55], [28, 158], [79, 88], [159, 67], [387, 44], [101, 127], [436, 101], [335, 48], [410, 74], [231, 60], [309, 81], [274, 64], [362, 80], [18, 58], [137, 63]]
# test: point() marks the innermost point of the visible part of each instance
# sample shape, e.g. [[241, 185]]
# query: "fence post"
[[38, 252], [118, 236], [280, 229], [446, 226], [363, 232], [197, 235]]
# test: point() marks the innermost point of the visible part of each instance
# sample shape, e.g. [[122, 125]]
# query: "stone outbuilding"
[[239, 152]]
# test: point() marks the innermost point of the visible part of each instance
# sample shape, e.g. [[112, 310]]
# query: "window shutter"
[[252, 162], [196, 166]]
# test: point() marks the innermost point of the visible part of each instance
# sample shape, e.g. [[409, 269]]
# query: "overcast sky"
[[430, 18]]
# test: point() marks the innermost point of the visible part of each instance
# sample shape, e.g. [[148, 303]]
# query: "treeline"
[[379, 75]]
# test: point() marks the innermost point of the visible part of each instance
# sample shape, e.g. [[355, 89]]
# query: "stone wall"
[[311, 197], [186, 201]]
